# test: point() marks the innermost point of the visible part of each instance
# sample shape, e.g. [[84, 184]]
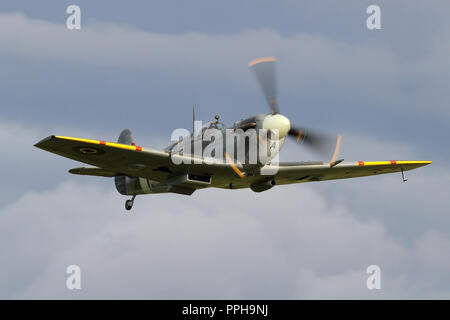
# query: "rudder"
[[126, 137]]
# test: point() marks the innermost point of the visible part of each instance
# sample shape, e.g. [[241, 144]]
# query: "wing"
[[115, 158], [298, 172], [303, 172]]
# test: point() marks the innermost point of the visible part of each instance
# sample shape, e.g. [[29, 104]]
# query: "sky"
[[142, 65]]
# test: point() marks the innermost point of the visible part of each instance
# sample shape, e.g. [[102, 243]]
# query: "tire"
[[128, 205]]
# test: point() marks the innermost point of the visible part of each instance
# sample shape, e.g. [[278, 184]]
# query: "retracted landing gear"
[[129, 203]]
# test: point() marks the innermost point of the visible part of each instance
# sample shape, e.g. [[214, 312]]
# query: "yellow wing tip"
[[102, 142], [424, 162], [394, 162], [260, 60]]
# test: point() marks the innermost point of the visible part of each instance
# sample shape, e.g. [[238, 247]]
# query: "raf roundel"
[[88, 151]]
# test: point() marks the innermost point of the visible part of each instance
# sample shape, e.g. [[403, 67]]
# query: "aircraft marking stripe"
[[414, 162], [391, 162], [109, 144]]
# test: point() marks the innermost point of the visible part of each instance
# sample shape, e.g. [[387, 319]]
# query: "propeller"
[[264, 69], [319, 142]]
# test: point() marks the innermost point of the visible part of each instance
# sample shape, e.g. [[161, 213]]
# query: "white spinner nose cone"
[[277, 122]]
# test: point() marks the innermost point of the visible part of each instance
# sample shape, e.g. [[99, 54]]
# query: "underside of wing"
[[111, 159], [304, 172]]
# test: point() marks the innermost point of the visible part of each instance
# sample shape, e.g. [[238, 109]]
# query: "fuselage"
[[253, 141]]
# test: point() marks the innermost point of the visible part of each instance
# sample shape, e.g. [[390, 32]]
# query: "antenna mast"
[[193, 118]]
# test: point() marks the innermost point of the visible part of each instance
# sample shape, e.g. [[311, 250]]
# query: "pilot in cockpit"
[[217, 124]]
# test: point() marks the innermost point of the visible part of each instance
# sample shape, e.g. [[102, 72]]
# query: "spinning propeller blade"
[[264, 69]]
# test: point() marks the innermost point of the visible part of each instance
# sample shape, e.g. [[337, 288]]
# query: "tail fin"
[[126, 137]]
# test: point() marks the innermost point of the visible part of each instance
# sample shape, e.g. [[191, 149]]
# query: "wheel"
[[128, 204]]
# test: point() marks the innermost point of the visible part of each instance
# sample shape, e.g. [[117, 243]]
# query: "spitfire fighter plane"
[[137, 170]]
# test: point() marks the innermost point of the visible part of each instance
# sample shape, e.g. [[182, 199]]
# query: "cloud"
[[355, 146], [299, 241], [302, 241], [215, 244], [27, 168], [312, 65]]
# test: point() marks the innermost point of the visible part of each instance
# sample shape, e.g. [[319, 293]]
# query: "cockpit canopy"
[[214, 125]]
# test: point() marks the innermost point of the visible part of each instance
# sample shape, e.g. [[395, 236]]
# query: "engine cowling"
[[132, 185], [254, 122], [263, 186]]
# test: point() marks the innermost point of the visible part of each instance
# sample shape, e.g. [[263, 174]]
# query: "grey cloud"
[[198, 247], [370, 72], [302, 241]]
